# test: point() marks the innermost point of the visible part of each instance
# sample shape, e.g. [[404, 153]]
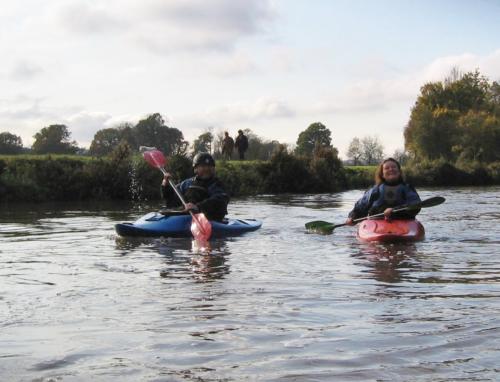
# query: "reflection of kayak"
[[157, 224], [390, 231]]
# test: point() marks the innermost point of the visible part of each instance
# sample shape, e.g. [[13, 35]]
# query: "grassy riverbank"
[[64, 177]]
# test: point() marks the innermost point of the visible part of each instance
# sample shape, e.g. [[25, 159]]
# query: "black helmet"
[[203, 158]]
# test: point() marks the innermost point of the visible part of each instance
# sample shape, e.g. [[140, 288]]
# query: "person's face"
[[204, 171], [390, 171]]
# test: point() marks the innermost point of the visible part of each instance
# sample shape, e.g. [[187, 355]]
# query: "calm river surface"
[[77, 303]]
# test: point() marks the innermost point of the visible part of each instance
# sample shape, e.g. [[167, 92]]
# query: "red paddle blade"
[[155, 158], [201, 227]]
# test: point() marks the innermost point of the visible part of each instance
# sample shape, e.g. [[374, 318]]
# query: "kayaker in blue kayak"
[[203, 193], [389, 191]]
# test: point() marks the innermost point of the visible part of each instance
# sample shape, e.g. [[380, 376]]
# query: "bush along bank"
[[123, 176], [443, 173]]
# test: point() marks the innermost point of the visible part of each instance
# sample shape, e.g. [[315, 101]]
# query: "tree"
[[54, 139], [435, 129], [218, 142], [315, 135], [479, 137], [152, 131], [10, 143], [203, 144], [401, 156], [355, 151], [106, 140], [373, 151], [258, 147]]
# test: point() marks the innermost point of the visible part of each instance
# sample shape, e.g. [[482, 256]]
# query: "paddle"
[[200, 226], [326, 227]]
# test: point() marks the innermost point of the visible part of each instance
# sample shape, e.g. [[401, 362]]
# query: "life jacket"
[[388, 196], [198, 190]]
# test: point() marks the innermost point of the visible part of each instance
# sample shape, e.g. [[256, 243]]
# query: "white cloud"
[[262, 109], [85, 18], [166, 27], [24, 70]]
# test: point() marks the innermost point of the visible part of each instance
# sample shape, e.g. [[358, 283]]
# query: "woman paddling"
[[389, 191], [203, 193]]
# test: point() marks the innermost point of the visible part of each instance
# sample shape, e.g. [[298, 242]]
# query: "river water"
[[77, 303]]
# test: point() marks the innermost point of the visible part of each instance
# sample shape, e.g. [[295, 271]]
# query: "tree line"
[[152, 131], [455, 121]]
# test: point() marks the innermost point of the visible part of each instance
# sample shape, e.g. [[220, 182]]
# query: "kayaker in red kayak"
[[203, 193], [389, 191]]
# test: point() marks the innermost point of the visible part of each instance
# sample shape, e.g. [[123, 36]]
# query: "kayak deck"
[[380, 230], [157, 224]]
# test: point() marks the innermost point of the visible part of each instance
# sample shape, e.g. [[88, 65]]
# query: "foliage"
[[372, 150], [359, 177], [10, 143], [315, 135], [106, 140], [326, 170], [457, 119], [54, 139], [355, 151], [258, 147], [150, 131], [285, 172], [203, 144]]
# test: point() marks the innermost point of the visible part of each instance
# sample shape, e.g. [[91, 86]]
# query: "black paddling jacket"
[[208, 195]]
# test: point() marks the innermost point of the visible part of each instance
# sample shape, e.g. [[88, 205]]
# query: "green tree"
[[10, 143], [355, 151], [258, 147], [315, 135], [401, 156], [152, 131], [106, 140], [54, 139], [479, 138], [434, 130], [203, 144], [373, 151]]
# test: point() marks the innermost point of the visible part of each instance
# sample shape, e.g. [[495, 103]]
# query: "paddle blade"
[[431, 202], [201, 227], [320, 226], [155, 158]]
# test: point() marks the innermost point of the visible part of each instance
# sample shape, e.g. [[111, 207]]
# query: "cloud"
[[85, 18], [375, 93], [262, 109], [165, 27], [24, 70], [440, 68]]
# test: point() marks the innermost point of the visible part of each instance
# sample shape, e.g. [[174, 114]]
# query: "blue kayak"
[[157, 224]]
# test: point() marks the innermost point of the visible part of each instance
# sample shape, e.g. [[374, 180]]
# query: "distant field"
[[362, 168]]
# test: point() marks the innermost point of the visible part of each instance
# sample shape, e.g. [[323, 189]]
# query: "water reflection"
[[206, 261], [387, 263]]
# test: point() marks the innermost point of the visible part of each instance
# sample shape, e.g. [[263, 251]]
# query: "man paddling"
[[203, 193]]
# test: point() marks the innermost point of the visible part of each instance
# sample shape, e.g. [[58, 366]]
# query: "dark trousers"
[[242, 155]]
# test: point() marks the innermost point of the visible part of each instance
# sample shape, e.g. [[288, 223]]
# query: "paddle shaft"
[[372, 216], [179, 195]]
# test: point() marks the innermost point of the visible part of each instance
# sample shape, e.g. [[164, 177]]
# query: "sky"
[[273, 66]]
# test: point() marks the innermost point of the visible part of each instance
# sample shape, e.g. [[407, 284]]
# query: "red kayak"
[[383, 231]]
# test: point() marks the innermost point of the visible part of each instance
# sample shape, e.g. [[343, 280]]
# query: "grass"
[[47, 157]]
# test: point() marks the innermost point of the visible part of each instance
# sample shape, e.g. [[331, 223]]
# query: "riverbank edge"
[[69, 178]]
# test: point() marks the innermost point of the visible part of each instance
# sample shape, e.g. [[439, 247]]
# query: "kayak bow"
[[157, 224], [380, 230]]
